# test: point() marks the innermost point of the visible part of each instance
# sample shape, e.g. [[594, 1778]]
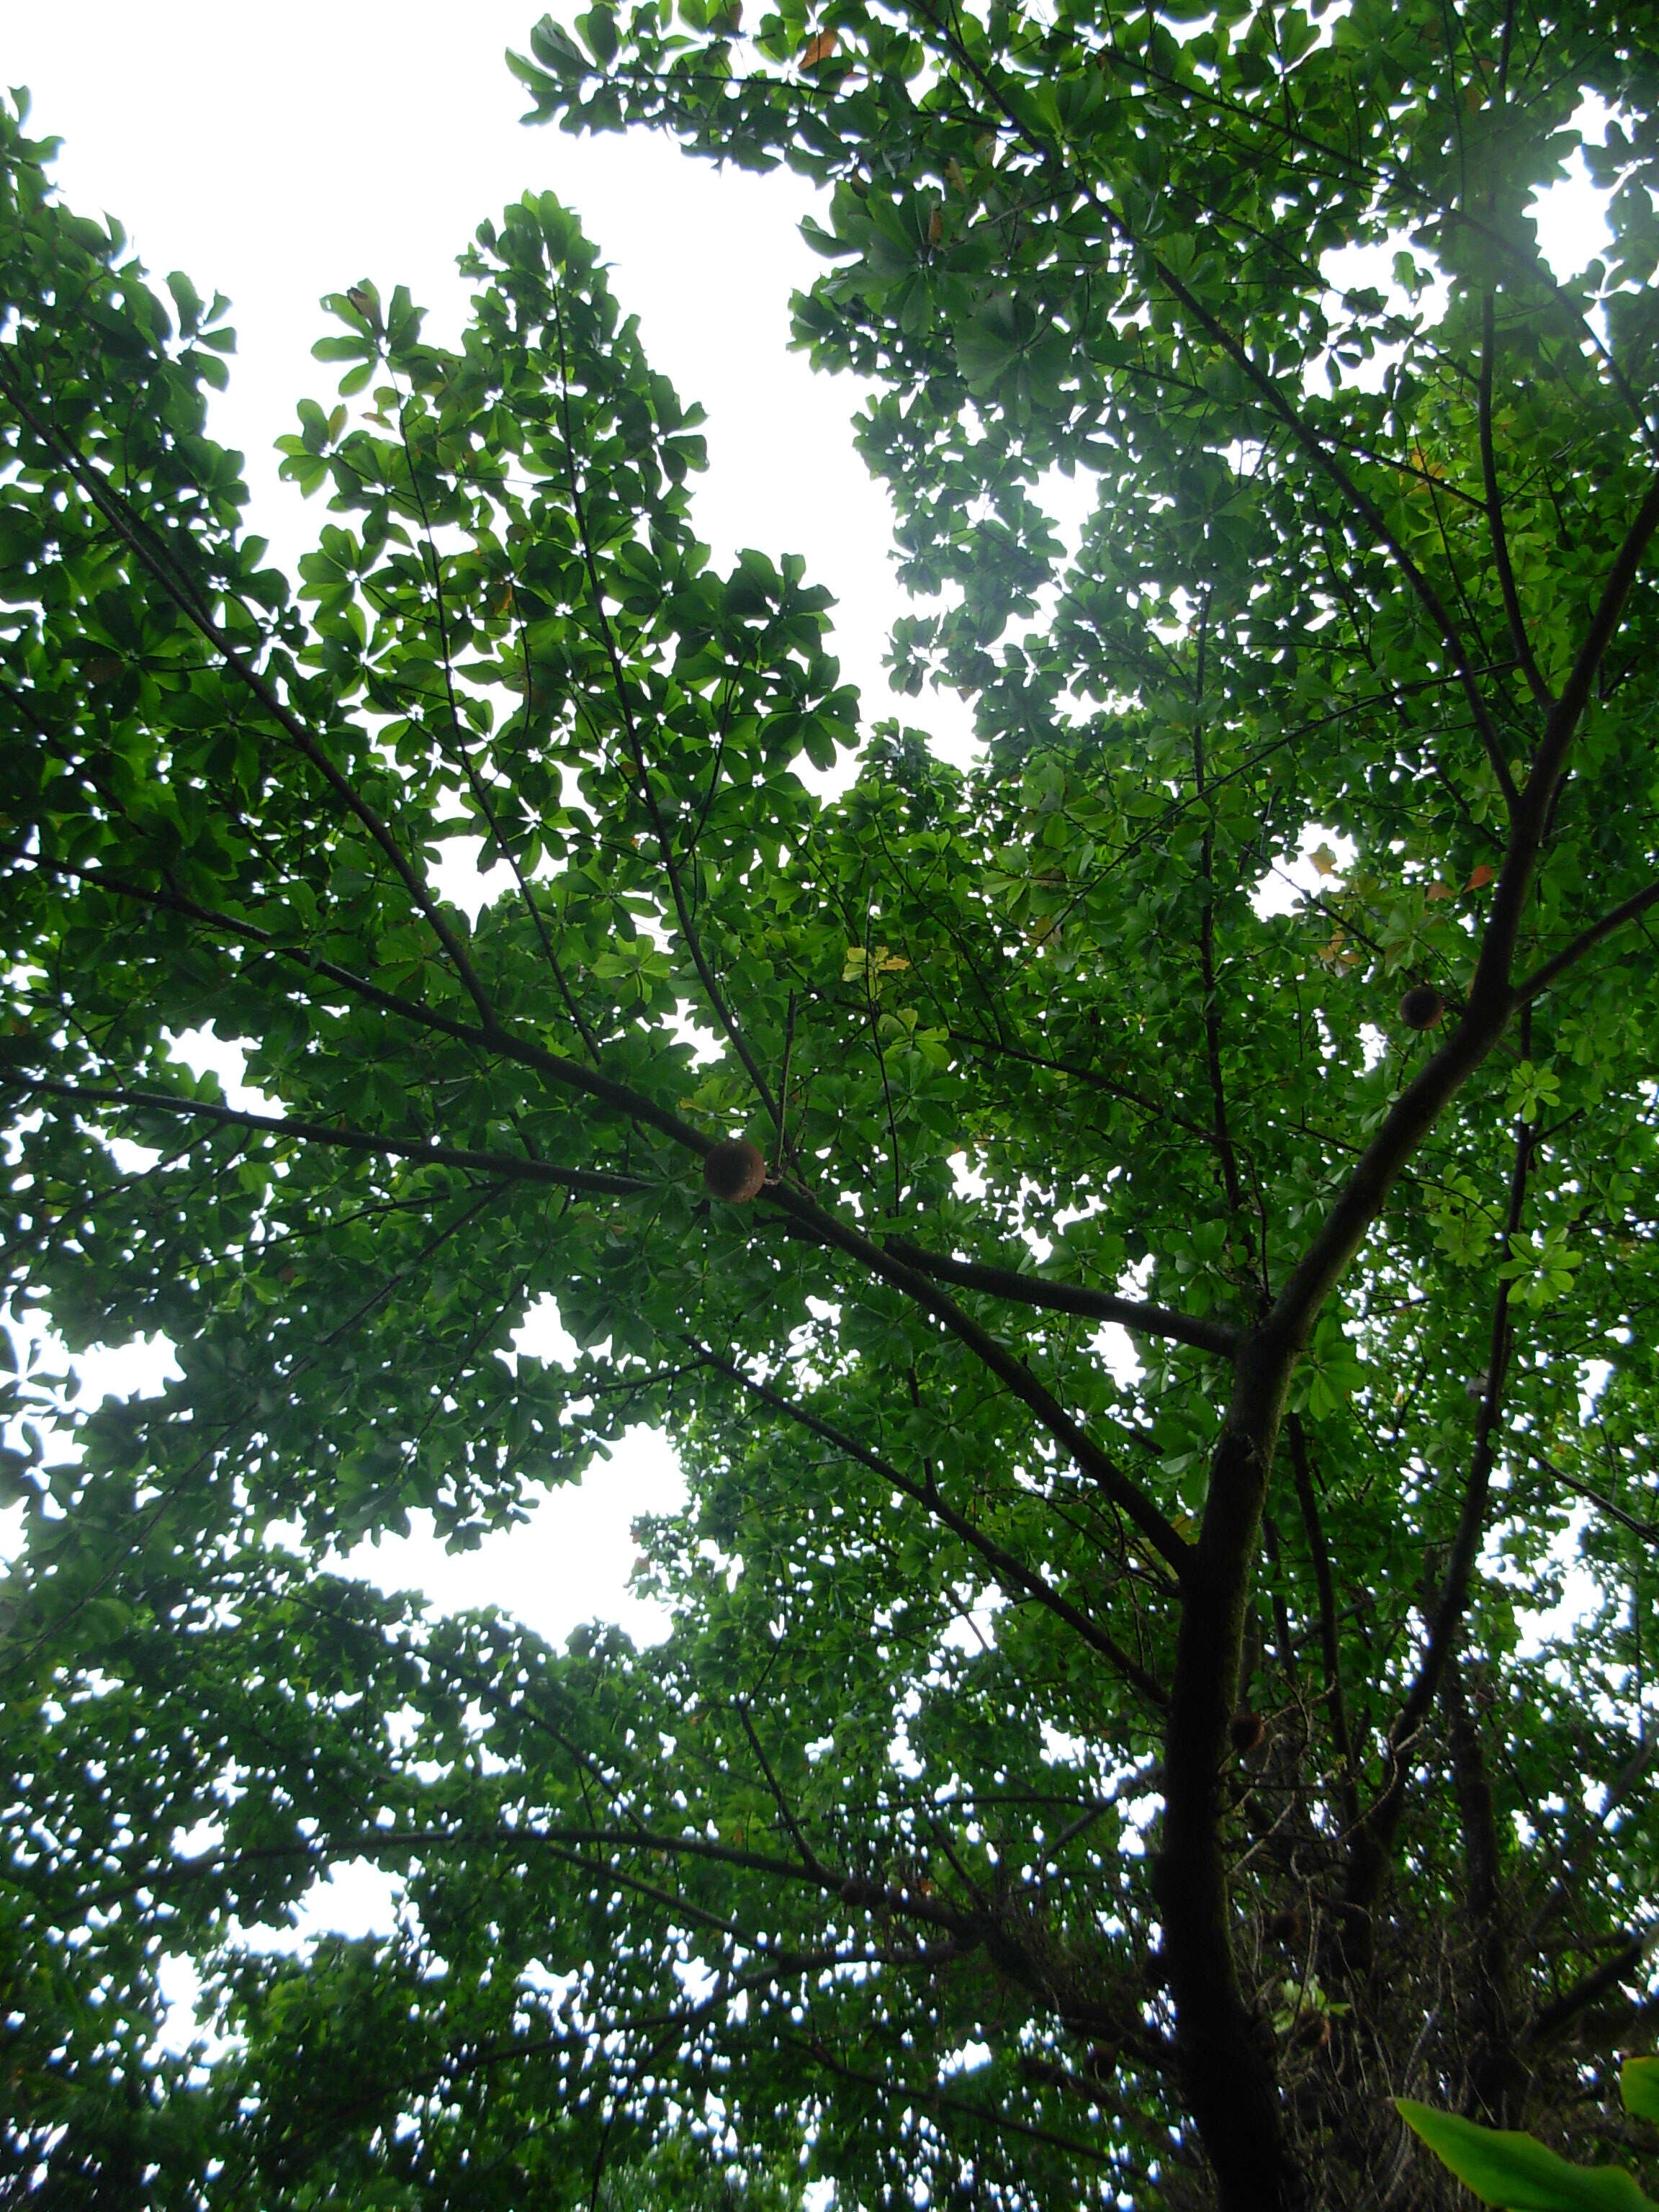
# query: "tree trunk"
[[1228, 2069]]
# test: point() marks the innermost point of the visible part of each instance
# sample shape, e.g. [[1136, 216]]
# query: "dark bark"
[[1043, 1290], [1496, 2077], [1554, 2020], [1227, 2067], [1329, 1643]]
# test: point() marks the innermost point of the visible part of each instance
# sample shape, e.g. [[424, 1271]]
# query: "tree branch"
[[469, 767], [1551, 2021], [821, 1227], [1011, 1574], [137, 536], [1495, 2073], [1492, 998], [1144, 1319], [1586, 941], [504, 1166], [1154, 1109], [723, 1013], [1542, 695], [1223, 1143], [1551, 760], [927, 2099], [1361, 504], [1368, 1846], [1329, 1643], [1631, 1775], [1008, 1368], [1312, 445], [1647, 1530], [809, 1857]]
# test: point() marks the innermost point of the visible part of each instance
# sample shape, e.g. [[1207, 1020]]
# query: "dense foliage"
[[1113, 1736]]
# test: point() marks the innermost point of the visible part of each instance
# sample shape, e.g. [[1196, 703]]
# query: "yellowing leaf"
[[1324, 860]]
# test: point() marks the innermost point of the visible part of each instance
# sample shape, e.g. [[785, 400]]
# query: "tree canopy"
[[1114, 1736]]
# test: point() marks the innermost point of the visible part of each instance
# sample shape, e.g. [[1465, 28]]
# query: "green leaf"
[[1638, 2086], [1517, 2172], [598, 30], [188, 301]]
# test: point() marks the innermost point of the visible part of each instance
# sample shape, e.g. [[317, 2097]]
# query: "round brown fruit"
[[734, 1170], [1247, 1732], [1422, 1007]]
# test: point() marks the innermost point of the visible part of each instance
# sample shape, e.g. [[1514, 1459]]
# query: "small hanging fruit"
[[734, 1170], [1422, 1007]]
